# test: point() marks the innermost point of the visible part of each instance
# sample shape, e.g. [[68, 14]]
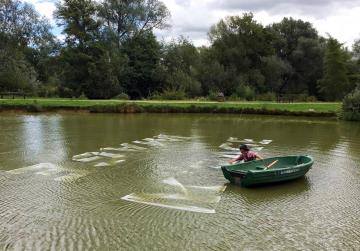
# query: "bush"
[[311, 99], [174, 95], [169, 95], [155, 96], [245, 92], [213, 96], [351, 106], [235, 97], [47, 91], [65, 92], [305, 98], [269, 96], [122, 96], [82, 96], [200, 99]]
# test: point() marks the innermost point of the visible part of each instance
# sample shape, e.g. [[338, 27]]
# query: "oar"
[[271, 164]]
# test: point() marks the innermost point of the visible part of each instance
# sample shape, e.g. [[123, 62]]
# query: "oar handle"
[[271, 164]]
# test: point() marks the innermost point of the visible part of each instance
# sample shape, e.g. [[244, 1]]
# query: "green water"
[[165, 191]]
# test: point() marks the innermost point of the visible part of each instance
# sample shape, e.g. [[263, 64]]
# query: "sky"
[[193, 18]]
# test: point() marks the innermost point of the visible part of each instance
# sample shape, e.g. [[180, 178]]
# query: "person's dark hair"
[[244, 147]]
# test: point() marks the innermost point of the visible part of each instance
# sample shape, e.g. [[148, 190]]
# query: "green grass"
[[42, 104]]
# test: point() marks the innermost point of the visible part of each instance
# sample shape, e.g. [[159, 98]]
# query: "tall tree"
[[128, 17], [22, 22], [23, 33], [78, 17], [239, 44], [297, 43], [356, 49], [180, 62], [15, 72], [89, 67], [143, 53], [335, 84]]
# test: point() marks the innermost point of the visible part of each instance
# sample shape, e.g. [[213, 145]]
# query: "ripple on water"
[[320, 212]]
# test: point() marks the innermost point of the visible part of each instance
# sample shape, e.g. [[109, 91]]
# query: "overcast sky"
[[193, 18]]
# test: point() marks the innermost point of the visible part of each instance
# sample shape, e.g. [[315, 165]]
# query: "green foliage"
[[47, 91], [143, 53], [356, 49], [110, 50], [305, 98], [122, 96], [21, 30], [180, 61], [102, 82], [335, 83], [213, 96], [126, 19], [299, 47], [269, 96], [21, 22], [169, 95], [15, 72], [238, 45], [351, 105], [77, 18], [245, 92]]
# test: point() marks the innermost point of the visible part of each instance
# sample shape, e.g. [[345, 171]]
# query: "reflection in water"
[[72, 204], [270, 192], [42, 139]]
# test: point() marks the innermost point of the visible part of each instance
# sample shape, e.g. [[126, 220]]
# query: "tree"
[[351, 105], [335, 84], [212, 75], [24, 24], [89, 67], [298, 45], [143, 53], [23, 33], [180, 62], [126, 18], [356, 49], [273, 69], [78, 17], [239, 44]]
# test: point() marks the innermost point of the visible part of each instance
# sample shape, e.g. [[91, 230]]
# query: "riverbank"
[[317, 109]]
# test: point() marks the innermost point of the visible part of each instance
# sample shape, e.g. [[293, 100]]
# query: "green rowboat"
[[269, 170]]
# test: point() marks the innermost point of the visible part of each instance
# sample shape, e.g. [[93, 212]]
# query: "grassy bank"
[[117, 106]]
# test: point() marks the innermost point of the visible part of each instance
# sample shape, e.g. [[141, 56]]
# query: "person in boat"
[[246, 155]]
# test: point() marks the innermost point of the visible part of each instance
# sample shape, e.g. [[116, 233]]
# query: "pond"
[[75, 181]]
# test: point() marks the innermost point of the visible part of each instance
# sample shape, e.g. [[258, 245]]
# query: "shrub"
[[351, 106], [235, 97], [213, 96], [269, 96], [311, 99], [82, 96], [65, 92], [122, 96], [201, 99], [245, 92], [305, 98], [47, 91], [173, 95]]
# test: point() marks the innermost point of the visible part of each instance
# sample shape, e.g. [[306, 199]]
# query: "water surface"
[[108, 182]]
